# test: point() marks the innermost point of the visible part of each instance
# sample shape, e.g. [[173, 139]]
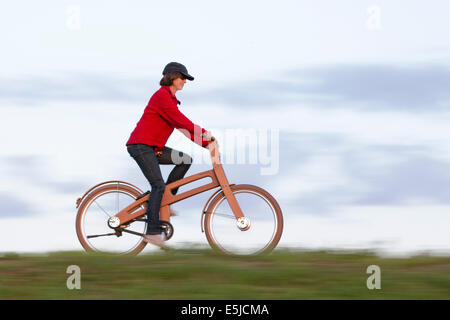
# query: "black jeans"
[[147, 160]]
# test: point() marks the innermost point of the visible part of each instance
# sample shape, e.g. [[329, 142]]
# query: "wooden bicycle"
[[112, 215]]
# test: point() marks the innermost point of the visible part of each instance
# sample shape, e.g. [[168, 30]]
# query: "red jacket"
[[160, 118]]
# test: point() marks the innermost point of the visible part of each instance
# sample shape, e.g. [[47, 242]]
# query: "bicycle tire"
[[236, 189]]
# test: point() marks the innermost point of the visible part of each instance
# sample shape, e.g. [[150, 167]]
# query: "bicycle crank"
[[167, 228], [243, 223]]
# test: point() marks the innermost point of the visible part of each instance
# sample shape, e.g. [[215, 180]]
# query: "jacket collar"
[[167, 88]]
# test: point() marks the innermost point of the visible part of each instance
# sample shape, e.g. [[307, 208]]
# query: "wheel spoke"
[[102, 209], [226, 215]]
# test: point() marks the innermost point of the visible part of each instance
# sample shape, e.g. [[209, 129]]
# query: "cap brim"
[[188, 76]]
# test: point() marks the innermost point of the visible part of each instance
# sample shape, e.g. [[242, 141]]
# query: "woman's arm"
[[176, 118]]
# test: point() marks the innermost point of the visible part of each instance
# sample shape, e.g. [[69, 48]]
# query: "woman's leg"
[[181, 161], [146, 159]]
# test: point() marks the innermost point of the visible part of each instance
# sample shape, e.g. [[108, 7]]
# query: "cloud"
[[321, 173], [12, 206], [383, 86], [419, 179], [36, 170], [366, 87], [34, 90]]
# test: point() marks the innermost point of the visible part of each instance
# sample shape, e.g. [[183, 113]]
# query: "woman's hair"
[[168, 78]]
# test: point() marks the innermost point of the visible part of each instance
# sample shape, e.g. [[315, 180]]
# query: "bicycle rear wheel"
[[92, 221], [261, 210]]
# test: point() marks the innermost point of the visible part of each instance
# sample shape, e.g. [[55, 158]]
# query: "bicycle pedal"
[[173, 213]]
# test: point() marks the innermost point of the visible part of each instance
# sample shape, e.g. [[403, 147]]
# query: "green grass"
[[203, 274]]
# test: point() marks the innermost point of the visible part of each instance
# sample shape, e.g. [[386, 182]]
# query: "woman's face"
[[178, 83]]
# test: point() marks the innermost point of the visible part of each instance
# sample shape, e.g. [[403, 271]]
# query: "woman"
[[147, 143]]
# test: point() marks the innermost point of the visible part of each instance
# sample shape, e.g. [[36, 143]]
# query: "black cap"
[[175, 66]]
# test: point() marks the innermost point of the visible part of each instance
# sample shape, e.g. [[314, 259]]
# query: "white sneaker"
[[156, 239]]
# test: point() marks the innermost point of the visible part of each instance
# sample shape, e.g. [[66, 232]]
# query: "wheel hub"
[[243, 223], [113, 222]]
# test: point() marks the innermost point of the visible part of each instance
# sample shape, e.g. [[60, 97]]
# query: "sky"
[[354, 96]]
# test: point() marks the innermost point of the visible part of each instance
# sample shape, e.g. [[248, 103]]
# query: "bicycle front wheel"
[[263, 214]]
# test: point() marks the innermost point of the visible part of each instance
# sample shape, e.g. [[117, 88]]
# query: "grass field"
[[203, 274]]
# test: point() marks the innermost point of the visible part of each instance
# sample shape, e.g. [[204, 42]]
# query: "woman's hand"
[[207, 136], [212, 145]]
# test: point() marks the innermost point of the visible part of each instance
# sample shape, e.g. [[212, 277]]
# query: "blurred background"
[[355, 94]]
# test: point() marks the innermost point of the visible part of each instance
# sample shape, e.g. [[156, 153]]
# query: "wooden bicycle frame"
[[217, 175]]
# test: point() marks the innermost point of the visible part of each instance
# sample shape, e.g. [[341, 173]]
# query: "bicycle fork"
[[243, 223]]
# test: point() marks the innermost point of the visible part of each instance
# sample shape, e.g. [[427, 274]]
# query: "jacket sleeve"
[[174, 116]]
